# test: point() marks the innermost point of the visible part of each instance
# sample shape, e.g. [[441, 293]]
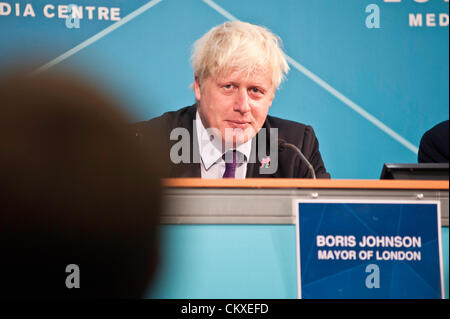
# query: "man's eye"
[[255, 90], [228, 87]]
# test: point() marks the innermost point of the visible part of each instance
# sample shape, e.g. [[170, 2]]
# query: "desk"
[[236, 238]]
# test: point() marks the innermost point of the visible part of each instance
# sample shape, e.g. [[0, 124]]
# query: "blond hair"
[[242, 46]]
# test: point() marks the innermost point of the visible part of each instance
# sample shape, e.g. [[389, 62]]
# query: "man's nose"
[[241, 103]]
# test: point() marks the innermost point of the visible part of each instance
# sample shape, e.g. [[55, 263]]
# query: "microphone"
[[282, 144]]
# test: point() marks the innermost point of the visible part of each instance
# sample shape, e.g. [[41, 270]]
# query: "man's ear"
[[197, 89], [273, 96]]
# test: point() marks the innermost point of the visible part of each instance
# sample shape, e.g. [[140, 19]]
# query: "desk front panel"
[[240, 243]]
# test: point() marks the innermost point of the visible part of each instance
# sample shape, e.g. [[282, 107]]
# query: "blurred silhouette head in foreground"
[[76, 188]]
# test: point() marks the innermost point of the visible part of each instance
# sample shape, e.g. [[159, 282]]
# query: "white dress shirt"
[[211, 154]]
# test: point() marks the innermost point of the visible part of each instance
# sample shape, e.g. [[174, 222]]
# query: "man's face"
[[235, 104]]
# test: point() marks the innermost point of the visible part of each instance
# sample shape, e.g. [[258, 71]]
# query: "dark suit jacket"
[[289, 163], [434, 144]]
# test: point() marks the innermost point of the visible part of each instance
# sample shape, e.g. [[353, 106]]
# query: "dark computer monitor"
[[421, 171]]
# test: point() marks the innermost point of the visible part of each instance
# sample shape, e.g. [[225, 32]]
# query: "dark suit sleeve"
[[302, 136], [310, 149]]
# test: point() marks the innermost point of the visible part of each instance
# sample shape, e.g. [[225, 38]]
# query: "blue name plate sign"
[[369, 249]]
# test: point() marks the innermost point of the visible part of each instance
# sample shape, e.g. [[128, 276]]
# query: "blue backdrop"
[[369, 93]]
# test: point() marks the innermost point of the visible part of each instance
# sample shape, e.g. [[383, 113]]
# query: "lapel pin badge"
[[265, 163]]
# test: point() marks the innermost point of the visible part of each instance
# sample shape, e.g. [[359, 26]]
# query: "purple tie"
[[230, 168]]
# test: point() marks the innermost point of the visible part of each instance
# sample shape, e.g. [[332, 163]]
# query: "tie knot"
[[230, 157]]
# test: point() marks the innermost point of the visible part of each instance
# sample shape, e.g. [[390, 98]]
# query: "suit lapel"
[[253, 168]]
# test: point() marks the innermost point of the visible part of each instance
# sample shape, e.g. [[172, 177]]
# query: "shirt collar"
[[211, 149]]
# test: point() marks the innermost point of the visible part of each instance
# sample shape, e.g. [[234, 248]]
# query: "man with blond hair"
[[227, 133]]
